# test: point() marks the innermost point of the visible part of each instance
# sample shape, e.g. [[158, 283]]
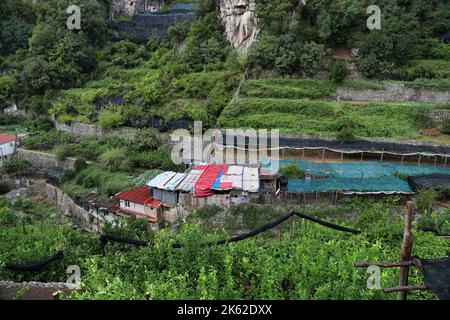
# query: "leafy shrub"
[[446, 128], [346, 135], [110, 119], [8, 119], [292, 171], [207, 211], [107, 183], [41, 123], [346, 128], [435, 222], [157, 159], [80, 164], [116, 159], [425, 199], [339, 71], [146, 139], [45, 139], [62, 152], [288, 88], [15, 166]]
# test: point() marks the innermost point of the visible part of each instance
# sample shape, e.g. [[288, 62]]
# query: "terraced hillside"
[[308, 106]]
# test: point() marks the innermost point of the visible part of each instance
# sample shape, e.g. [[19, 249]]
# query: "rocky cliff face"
[[241, 25]]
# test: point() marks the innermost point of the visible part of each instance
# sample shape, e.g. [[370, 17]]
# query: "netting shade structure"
[[384, 184], [364, 169], [361, 176], [436, 181], [437, 276]]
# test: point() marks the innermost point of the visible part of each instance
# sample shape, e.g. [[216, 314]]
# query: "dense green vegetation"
[[83, 77], [311, 262], [383, 120], [293, 75]]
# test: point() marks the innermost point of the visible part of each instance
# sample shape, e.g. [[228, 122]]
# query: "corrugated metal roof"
[[160, 180], [232, 179], [139, 195], [189, 181], [174, 182], [251, 179], [6, 138], [209, 176]]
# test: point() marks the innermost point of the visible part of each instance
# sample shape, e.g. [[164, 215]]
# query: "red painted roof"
[[5, 138], [210, 173], [140, 195]]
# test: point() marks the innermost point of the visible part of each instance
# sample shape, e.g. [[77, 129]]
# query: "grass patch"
[[375, 120], [288, 88]]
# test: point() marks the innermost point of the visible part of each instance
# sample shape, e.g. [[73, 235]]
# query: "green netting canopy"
[[367, 176]]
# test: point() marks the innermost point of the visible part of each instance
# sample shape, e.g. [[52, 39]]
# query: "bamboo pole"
[[406, 250]]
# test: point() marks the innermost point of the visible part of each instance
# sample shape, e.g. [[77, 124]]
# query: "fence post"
[[406, 249]]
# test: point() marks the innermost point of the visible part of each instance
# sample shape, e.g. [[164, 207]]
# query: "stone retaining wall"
[[394, 92], [82, 130], [439, 116], [43, 160], [82, 219]]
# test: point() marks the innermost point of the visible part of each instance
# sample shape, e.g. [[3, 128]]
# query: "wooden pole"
[[406, 250], [384, 264], [405, 289]]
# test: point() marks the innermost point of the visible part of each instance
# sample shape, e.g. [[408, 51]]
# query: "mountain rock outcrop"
[[241, 24]]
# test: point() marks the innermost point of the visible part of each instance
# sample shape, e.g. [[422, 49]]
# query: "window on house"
[[127, 204]]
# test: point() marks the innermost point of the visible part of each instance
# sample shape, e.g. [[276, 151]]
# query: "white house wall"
[[7, 149]]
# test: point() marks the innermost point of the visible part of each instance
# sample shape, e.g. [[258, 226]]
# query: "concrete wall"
[[394, 92], [135, 207]]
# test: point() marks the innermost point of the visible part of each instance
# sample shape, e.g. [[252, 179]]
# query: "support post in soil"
[[406, 249]]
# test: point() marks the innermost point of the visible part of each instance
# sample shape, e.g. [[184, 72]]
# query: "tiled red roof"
[[5, 138], [140, 195]]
